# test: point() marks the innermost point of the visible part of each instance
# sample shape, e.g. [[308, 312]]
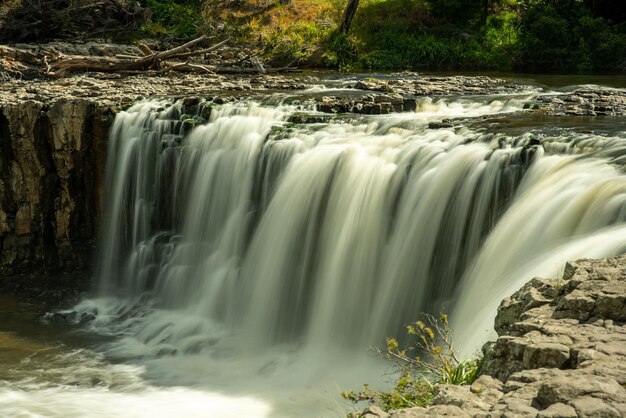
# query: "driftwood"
[[57, 65], [61, 65]]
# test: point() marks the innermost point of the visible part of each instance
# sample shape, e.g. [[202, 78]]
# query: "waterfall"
[[247, 234]]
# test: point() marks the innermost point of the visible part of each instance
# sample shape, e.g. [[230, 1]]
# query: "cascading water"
[[289, 239], [256, 256]]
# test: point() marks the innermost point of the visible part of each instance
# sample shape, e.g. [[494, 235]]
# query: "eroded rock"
[[561, 351]]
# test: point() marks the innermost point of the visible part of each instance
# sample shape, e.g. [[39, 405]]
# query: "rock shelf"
[[561, 352]]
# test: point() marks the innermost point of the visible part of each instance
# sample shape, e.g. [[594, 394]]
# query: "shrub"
[[180, 18], [501, 36], [431, 360], [295, 44], [341, 50]]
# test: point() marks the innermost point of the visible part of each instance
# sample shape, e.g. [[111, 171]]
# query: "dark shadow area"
[[45, 20]]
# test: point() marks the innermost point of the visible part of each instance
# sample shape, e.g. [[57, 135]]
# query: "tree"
[[348, 15], [608, 9]]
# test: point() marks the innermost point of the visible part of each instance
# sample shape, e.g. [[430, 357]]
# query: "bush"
[[456, 10], [295, 44], [341, 50], [563, 35], [501, 36], [180, 18], [431, 360]]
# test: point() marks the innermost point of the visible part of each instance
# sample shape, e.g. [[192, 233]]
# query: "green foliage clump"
[[341, 50], [430, 361], [536, 35], [296, 44], [500, 39], [179, 18], [563, 35], [191, 119]]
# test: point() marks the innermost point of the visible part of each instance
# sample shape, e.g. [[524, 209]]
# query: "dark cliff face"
[[51, 190]]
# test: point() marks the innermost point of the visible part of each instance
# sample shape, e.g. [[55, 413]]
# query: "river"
[[248, 262]]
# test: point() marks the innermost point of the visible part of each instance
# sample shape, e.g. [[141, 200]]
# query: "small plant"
[[429, 361], [191, 119]]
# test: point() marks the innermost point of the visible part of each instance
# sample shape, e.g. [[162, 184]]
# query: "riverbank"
[[560, 352]]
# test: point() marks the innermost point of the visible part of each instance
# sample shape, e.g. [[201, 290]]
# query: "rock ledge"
[[561, 352]]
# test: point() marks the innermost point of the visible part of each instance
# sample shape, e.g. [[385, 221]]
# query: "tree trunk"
[[348, 14], [484, 12]]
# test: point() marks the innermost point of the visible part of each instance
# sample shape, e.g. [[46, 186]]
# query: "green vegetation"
[[537, 35], [529, 35], [179, 18], [431, 360]]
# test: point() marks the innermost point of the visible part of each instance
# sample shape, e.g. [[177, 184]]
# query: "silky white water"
[[246, 263]]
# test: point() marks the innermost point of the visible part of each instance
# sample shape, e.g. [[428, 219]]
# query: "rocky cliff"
[[51, 175], [561, 352]]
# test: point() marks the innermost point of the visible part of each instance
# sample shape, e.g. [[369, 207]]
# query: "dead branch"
[[63, 65], [54, 64], [172, 52], [201, 51], [145, 49]]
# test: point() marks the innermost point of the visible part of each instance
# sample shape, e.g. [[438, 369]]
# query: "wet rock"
[[306, 118], [409, 105], [440, 125], [584, 102]]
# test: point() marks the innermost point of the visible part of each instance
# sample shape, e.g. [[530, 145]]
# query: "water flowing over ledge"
[[247, 254], [249, 235]]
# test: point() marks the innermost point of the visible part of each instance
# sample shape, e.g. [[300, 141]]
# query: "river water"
[[246, 265]]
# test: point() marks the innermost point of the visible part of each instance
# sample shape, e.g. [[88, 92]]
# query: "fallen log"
[[61, 65], [58, 65], [201, 51]]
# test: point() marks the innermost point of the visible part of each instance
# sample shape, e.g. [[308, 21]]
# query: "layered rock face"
[[51, 183], [561, 352]]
